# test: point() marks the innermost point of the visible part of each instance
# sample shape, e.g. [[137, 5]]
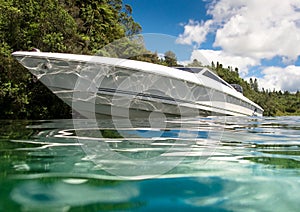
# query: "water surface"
[[209, 164]]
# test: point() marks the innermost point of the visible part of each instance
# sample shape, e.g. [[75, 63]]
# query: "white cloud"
[[246, 32], [256, 29], [260, 29], [243, 63], [194, 32], [278, 78], [285, 79]]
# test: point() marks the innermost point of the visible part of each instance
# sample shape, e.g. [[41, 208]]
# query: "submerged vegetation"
[[85, 27]]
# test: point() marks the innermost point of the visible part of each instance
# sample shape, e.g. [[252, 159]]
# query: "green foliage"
[[27, 24], [254, 84], [274, 103], [170, 59], [126, 19], [195, 63], [70, 26], [14, 100]]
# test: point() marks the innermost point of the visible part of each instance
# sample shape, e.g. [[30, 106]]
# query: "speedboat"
[[96, 85]]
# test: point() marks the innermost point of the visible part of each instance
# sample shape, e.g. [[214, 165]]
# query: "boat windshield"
[[215, 77], [194, 70], [205, 72]]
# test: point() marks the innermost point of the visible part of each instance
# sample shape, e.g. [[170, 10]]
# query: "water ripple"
[[209, 164]]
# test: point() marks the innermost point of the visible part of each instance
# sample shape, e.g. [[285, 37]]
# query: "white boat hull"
[[96, 86]]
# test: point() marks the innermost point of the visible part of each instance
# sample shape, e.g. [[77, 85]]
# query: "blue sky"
[[260, 37], [166, 16]]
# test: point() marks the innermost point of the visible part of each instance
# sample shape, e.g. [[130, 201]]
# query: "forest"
[[85, 27]]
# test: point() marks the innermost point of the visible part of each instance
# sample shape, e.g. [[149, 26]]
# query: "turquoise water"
[[199, 164]]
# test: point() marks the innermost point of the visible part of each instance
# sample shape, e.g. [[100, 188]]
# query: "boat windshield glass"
[[194, 70], [215, 77], [205, 72]]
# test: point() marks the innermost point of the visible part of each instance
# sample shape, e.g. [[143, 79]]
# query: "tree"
[[195, 63], [41, 24], [251, 83], [213, 65], [131, 27], [255, 85], [23, 25], [71, 26], [170, 59]]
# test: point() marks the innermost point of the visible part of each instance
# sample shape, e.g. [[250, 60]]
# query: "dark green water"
[[200, 164]]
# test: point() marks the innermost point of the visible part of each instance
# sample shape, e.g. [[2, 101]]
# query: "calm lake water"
[[208, 164]]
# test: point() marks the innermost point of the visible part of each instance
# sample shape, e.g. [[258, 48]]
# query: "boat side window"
[[236, 101], [218, 96]]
